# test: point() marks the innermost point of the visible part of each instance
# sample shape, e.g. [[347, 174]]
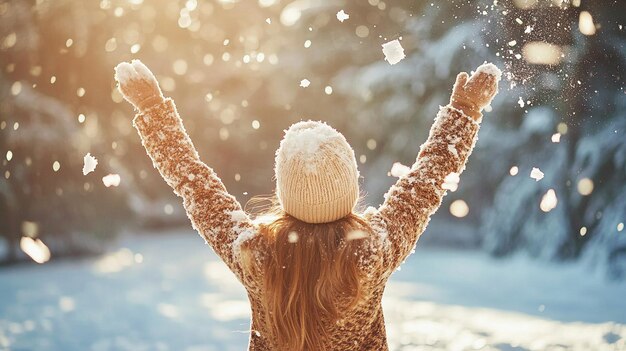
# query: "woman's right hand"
[[472, 94], [138, 85]]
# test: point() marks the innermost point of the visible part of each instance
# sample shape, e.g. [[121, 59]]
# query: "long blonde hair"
[[311, 275]]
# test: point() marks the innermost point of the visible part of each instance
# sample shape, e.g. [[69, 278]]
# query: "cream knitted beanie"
[[316, 173]]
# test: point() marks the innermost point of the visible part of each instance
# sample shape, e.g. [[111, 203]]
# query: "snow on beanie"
[[316, 173]]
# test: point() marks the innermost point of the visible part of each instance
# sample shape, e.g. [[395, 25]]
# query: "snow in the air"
[[35, 249], [399, 170], [548, 201], [393, 51], [459, 208], [536, 174], [192, 301], [111, 180], [89, 164], [585, 23], [342, 16]]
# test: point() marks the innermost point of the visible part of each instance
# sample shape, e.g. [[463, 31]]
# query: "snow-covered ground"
[[170, 292]]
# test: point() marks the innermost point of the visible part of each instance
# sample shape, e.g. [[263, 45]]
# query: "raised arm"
[[214, 213], [417, 195]]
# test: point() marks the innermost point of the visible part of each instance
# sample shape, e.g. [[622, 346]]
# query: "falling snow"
[[520, 34], [111, 180], [548, 201], [536, 174], [342, 16], [35, 249], [89, 164], [393, 52]]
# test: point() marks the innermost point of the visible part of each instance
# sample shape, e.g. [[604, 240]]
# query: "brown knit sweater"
[[396, 224]]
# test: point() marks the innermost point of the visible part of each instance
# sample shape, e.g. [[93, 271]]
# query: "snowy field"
[[170, 292]]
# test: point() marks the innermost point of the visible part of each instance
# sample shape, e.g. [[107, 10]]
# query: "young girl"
[[315, 273]]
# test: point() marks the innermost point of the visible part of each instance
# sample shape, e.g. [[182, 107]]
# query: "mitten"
[[472, 94], [138, 85]]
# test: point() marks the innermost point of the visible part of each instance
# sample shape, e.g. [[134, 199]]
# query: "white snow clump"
[[398, 170], [305, 139], [548, 201], [536, 174], [35, 249], [342, 16], [451, 182], [238, 216], [393, 51], [89, 164], [111, 180]]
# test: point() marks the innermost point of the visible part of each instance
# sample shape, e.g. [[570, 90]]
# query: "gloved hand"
[[472, 94], [138, 85]]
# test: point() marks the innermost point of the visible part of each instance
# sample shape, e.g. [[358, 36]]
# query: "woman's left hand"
[[138, 85]]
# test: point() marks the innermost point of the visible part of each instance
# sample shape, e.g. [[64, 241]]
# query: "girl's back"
[[315, 275], [313, 286]]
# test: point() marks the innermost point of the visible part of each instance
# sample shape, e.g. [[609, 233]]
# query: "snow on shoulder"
[[305, 139], [491, 69]]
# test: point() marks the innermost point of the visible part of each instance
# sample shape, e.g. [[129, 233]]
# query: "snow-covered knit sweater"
[[395, 225]]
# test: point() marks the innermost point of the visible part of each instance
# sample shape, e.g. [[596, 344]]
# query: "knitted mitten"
[[472, 94], [138, 85]]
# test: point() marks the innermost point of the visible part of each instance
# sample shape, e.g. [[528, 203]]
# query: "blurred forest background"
[[234, 69]]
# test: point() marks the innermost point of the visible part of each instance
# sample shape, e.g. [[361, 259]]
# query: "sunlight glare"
[[542, 53]]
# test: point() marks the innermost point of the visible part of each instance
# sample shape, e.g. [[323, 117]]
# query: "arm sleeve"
[[409, 203], [214, 213]]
